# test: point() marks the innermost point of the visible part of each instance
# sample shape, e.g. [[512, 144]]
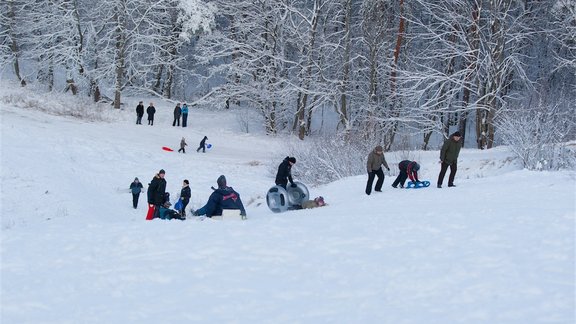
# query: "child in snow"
[[202, 145], [284, 173], [182, 145], [407, 169], [136, 188], [167, 213], [185, 196], [317, 202]]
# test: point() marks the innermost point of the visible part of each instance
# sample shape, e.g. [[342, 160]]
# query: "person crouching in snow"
[[407, 169], [202, 145], [167, 213], [317, 202], [222, 198]]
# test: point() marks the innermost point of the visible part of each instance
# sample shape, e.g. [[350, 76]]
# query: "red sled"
[[166, 148], [151, 210]]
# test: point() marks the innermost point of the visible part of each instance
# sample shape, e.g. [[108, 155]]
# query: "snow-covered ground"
[[499, 248]]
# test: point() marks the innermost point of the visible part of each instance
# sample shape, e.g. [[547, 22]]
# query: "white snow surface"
[[498, 248]]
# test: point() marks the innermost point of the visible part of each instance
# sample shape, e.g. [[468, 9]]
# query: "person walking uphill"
[[177, 114], [136, 188], [184, 115], [374, 167], [202, 145], [151, 111], [449, 158], [139, 113], [157, 192], [284, 173], [182, 145], [407, 169]]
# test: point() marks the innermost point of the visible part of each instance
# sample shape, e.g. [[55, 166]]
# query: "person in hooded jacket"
[[284, 173], [177, 114], [222, 198], [408, 169], [374, 167], [202, 145], [136, 189], [151, 110], [449, 158], [185, 195], [157, 192]]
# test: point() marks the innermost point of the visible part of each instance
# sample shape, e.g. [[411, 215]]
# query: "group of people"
[[225, 197], [179, 112], [202, 145], [409, 169]]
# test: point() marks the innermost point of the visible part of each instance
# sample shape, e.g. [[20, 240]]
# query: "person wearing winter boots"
[[182, 146], [139, 113], [157, 192], [284, 173], [185, 195], [136, 188], [167, 213], [222, 198], [374, 167], [151, 111], [449, 158], [184, 115], [177, 114], [407, 169], [202, 145]]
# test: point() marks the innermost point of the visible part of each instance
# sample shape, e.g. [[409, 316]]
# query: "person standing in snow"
[[449, 158], [185, 195], [184, 115], [407, 169], [202, 145], [136, 188], [177, 114], [284, 173], [151, 111], [182, 145], [374, 167], [222, 198], [157, 191], [139, 113]]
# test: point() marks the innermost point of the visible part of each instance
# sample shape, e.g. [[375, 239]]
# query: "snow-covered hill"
[[499, 248]]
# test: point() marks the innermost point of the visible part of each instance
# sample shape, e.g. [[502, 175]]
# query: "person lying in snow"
[[317, 202], [167, 213]]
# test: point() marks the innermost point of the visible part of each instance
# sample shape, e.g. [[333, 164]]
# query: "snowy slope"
[[499, 248]]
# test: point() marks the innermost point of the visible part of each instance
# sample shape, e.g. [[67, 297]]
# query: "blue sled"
[[417, 185]]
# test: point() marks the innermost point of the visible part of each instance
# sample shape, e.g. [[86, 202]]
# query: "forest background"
[[404, 74]]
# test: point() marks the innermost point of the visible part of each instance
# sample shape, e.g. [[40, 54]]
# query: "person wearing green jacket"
[[374, 167], [449, 158]]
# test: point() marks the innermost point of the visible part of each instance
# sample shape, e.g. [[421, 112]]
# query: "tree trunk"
[[14, 48]]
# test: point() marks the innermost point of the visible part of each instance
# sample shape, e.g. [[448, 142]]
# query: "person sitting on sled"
[[222, 198], [167, 213], [407, 169]]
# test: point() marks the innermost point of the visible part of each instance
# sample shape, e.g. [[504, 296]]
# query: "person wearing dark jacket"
[[157, 191], [284, 173], [139, 113], [136, 189], [449, 158], [151, 111], [185, 195], [222, 198], [374, 167], [408, 169], [202, 145], [177, 114]]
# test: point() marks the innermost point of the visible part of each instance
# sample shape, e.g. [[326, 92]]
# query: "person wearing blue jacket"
[[136, 188], [222, 198], [184, 115], [408, 169]]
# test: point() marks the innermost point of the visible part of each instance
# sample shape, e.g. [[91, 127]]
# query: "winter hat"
[[320, 201], [162, 171], [292, 160], [221, 181], [186, 181], [136, 179], [378, 148], [457, 134], [416, 166]]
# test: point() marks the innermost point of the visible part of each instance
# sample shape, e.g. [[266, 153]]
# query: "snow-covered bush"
[[539, 136]]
